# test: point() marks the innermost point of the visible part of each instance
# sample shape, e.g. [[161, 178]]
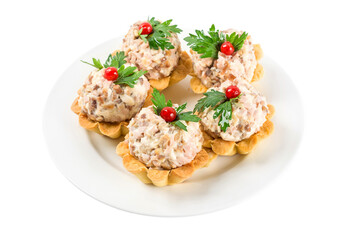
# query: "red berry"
[[168, 114], [146, 28], [232, 92], [227, 48], [111, 74]]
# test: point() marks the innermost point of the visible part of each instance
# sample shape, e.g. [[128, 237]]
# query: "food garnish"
[[145, 28], [172, 115], [232, 92], [168, 114], [156, 34], [210, 45], [116, 71], [222, 104], [227, 48], [111, 74]]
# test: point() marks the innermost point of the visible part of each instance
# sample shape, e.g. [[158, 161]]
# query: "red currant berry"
[[232, 92], [227, 48], [146, 28], [111, 74], [168, 114]]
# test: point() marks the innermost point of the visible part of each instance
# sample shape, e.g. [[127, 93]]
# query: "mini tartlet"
[[111, 95], [154, 46], [221, 56], [234, 117], [164, 144]]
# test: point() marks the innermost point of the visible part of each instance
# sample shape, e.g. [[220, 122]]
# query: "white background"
[[316, 42]]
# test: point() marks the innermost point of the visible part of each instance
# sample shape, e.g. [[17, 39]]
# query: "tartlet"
[[221, 56], [111, 95], [234, 117], [154, 46], [164, 144]]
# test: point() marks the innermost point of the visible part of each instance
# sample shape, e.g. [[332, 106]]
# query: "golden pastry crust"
[[160, 84], [258, 73], [259, 54], [162, 178], [183, 68], [229, 148], [199, 88], [180, 72], [111, 130]]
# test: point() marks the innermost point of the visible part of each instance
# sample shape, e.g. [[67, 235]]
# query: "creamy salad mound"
[[248, 113], [240, 65], [159, 63], [161, 145], [103, 101]]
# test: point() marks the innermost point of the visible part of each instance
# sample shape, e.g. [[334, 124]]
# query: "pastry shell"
[[111, 130], [180, 72], [159, 177], [198, 87], [229, 148]]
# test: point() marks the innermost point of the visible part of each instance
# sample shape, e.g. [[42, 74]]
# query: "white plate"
[[89, 160]]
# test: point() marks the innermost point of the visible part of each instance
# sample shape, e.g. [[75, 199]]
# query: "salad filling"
[[158, 63], [161, 145], [228, 65], [104, 101], [248, 113]]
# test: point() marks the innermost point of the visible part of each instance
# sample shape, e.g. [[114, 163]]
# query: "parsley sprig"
[[126, 75], [211, 99], [160, 102], [220, 103], [159, 36], [209, 45], [236, 40]]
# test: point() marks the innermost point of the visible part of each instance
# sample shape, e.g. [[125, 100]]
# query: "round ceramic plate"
[[89, 160]]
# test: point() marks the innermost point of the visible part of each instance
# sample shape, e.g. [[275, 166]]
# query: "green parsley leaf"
[[224, 110], [130, 78], [125, 72], [188, 116], [233, 100], [153, 22], [143, 37], [96, 64], [115, 61], [211, 99], [157, 39], [236, 40], [166, 28], [180, 125], [180, 108], [159, 101], [207, 46], [159, 36]]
